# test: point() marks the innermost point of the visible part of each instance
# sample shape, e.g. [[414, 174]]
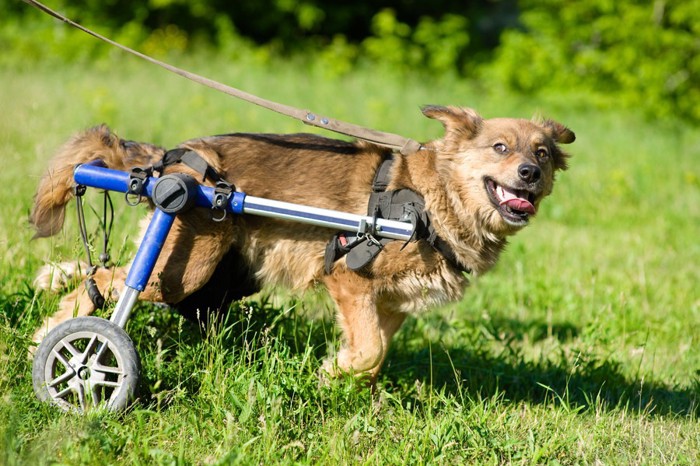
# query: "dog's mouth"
[[514, 205]]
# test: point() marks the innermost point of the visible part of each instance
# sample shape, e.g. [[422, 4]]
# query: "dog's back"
[[301, 168]]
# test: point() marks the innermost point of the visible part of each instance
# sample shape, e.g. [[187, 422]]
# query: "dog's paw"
[[57, 276], [327, 372], [330, 372]]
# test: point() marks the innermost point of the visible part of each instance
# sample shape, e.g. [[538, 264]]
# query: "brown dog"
[[481, 183]]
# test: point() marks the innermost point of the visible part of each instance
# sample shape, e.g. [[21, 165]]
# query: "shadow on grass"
[[569, 378], [169, 347]]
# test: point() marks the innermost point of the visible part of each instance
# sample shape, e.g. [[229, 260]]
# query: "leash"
[[404, 145]]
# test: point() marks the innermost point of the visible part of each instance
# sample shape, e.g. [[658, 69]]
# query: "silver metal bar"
[[126, 303], [95, 175], [326, 218]]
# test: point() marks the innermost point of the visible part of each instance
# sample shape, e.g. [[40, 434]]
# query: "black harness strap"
[[190, 158], [399, 204]]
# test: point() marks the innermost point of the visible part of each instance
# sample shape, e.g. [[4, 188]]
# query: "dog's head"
[[497, 171]]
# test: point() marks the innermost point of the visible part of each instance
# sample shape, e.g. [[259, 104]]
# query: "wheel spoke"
[[101, 350], [62, 360], [62, 394], [80, 391], [106, 383], [88, 348], [69, 346], [106, 369], [66, 376], [95, 395]]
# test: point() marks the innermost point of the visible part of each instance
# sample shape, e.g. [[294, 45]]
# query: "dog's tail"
[[56, 186]]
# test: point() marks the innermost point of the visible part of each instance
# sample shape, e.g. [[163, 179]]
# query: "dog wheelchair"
[[90, 362]]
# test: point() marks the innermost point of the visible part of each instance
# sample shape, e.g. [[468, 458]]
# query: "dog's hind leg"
[[192, 250], [78, 303], [189, 258]]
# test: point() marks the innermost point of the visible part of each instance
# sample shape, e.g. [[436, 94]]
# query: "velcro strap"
[[190, 158], [381, 177], [198, 164], [94, 293], [336, 248], [364, 252]]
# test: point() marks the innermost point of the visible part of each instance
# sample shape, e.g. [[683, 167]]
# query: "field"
[[580, 347]]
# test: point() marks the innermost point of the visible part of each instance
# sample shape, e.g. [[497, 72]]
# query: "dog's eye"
[[500, 148], [542, 152]]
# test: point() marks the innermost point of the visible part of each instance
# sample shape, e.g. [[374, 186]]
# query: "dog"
[[480, 183]]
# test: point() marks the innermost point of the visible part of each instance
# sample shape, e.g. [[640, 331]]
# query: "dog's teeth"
[[501, 192]]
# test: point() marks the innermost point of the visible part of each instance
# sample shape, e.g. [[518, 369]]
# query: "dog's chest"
[[414, 292]]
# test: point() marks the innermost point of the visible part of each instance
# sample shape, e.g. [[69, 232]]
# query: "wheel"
[[86, 363]]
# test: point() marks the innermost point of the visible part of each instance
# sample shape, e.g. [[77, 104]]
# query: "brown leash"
[[404, 145]]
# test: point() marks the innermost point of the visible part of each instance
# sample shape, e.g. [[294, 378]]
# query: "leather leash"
[[404, 145]]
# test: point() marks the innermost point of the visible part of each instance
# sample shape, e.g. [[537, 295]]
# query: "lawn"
[[580, 347]]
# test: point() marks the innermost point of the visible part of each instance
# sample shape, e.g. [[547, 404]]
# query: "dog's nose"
[[529, 173]]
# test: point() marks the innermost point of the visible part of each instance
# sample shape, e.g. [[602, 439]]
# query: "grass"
[[581, 347]]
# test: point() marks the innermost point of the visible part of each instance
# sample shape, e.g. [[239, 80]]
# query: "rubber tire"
[[119, 344]]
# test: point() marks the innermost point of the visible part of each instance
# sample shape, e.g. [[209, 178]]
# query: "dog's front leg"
[[389, 323], [367, 329]]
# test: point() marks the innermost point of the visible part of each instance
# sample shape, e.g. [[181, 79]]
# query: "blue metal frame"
[[149, 250], [96, 175]]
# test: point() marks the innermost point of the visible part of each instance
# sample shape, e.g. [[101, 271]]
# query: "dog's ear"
[[559, 132], [561, 135], [460, 119], [459, 122]]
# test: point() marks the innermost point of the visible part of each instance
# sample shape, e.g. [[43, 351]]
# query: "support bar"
[[95, 175]]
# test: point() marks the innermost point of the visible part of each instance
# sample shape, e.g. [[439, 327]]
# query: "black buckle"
[[79, 190]]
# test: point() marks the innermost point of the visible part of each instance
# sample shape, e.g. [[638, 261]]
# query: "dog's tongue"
[[515, 202]]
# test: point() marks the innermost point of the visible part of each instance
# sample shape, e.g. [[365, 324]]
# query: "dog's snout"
[[529, 173]]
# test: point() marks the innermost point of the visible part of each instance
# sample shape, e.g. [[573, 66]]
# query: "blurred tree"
[[645, 53]]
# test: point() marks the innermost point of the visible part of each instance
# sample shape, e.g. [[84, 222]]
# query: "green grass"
[[581, 347]]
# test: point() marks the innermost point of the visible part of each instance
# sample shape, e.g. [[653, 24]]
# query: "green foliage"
[[646, 54], [435, 46]]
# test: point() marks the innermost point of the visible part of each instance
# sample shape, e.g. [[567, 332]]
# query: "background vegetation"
[[644, 53], [580, 347]]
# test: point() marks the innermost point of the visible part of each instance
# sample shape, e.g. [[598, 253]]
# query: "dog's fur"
[[209, 264]]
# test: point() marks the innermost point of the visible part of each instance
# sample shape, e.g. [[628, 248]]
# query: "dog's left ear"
[[560, 133], [459, 122]]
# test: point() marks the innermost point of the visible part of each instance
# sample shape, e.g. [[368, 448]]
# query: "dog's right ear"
[[460, 122]]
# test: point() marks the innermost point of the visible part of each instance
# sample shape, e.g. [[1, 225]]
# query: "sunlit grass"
[[580, 347]]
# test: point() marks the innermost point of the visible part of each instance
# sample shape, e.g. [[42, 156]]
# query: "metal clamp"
[[222, 194], [137, 179]]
